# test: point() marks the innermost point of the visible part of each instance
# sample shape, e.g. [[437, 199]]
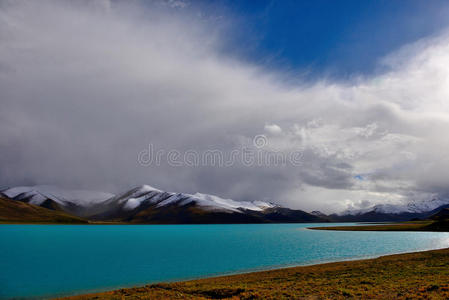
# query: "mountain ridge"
[[148, 205], [13, 211]]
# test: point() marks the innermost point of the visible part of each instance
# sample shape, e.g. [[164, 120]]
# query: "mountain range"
[[388, 212], [148, 205]]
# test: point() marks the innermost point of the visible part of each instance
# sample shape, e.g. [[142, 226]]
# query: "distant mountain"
[[441, 221], [76, 202], [149, 205], [412, 207], [389, 213], [318, 214], [12, 211], [145, 204], [443, 214]]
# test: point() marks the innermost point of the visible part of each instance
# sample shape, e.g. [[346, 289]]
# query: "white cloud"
[[273, 129], [177, 3], [84, 90]]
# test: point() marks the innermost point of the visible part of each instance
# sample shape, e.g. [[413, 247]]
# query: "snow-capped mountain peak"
[[408, 207], [212, 201], [38, 194], [146, 194], [148, 205], [148, 188]]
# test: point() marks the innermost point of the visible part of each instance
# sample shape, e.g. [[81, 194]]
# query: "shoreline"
[[262, 284], [412, 226]]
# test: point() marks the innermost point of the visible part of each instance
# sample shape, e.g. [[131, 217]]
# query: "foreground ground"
[[421, 275]]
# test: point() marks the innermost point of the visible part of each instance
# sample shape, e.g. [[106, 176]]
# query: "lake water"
[[49, 260]]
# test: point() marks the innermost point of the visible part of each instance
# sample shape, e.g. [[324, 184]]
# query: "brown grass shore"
[[419, 275], [428, 225]]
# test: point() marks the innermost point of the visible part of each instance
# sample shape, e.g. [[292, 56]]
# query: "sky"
[[352, 96], [329, 38]]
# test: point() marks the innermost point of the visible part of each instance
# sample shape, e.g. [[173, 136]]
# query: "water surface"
[[49, 260]]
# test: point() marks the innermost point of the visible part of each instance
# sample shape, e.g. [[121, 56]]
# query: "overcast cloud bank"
[[85, 87]]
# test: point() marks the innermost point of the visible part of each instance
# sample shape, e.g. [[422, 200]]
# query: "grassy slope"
[[421, 275], [12, 211]]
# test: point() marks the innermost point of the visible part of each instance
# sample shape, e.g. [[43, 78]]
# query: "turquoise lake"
[[50, 260]]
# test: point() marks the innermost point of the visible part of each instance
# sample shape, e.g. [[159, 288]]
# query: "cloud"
[[273, 129], [177, 3], [85, 88]]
